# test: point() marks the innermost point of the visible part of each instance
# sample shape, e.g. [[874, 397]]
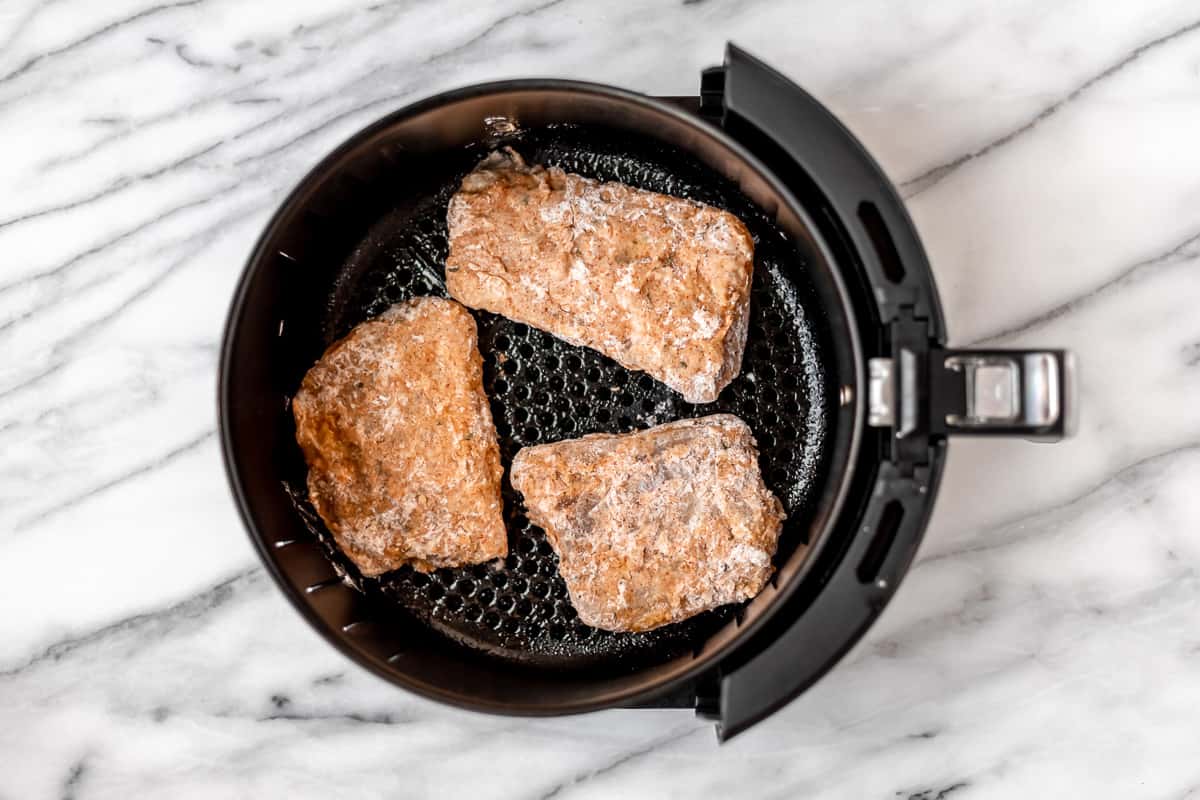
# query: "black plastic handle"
[[924, 391], [900, 462]]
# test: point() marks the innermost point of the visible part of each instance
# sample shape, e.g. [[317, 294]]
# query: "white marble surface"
[[1046, 644]]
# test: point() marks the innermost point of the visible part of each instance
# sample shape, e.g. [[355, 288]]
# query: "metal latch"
[[881, 393], [1007, 390], [887, 406], [999, 392]]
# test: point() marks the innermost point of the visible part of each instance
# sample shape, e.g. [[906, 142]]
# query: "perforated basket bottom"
[[544, 390]]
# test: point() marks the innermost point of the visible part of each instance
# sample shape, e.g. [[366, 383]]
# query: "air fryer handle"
[[1027, 393]]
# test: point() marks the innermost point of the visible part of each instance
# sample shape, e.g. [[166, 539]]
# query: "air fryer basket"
[[367, 229], [846, 384]]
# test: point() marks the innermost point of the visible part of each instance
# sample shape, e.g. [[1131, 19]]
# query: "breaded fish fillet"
[[658, 283], [403, 464], [654, 526]]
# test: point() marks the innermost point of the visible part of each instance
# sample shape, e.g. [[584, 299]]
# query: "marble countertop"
[[1045, 644]]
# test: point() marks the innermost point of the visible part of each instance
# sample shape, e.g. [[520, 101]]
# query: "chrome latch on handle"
[[1029, 393], [1002, 390]]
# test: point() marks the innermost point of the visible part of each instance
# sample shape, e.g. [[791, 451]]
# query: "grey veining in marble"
[[1045, 644]]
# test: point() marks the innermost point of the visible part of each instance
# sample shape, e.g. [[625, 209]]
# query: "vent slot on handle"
[[881, 542], [881, 239]]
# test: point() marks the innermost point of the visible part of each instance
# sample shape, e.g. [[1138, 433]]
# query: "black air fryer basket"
[[845, 382]]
